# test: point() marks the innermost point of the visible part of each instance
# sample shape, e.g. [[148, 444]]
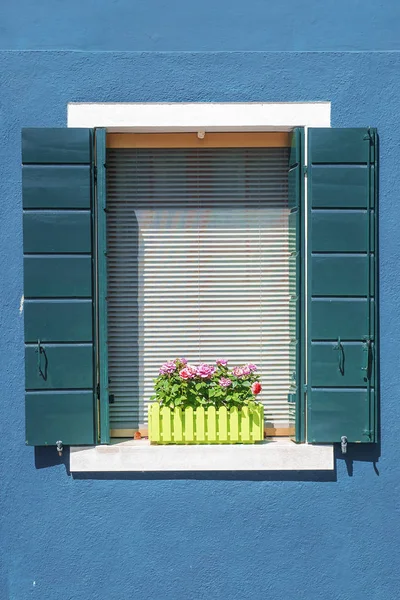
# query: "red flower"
[[256, 387]]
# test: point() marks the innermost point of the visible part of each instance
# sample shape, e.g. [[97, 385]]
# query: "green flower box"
[[210, 425]]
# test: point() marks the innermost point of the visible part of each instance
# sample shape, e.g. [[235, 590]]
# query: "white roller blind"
[[198, 267]]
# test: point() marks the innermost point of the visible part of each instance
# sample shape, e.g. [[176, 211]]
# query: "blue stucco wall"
[[211, 536], [207, 25]]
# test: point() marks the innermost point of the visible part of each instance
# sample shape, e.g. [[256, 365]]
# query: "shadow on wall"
[[46, 457], [359, 453]]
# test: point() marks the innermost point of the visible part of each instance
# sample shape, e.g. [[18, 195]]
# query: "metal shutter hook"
[[340, 349], [40, 351]]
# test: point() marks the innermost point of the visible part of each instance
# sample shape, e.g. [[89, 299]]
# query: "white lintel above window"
[[165, 117]]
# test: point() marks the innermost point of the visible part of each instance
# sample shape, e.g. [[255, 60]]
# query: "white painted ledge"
[[140, 456], [206, 116]]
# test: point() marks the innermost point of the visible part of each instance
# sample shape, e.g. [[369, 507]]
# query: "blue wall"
[[206, 25], [210, 536]]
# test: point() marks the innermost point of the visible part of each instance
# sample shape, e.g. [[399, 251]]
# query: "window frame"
[[181, 118], [170, 141]]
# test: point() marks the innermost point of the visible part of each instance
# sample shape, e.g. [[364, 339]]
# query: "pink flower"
[[183, 361], [256, 388], [187, 373], [221, 362], [244, 370], [237, 371], [205, 371], [225, 382], [167, 368]]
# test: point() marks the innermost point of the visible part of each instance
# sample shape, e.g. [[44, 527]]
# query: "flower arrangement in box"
[[206, 404]]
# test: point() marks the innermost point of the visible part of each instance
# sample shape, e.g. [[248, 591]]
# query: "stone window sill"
[[139, 456]]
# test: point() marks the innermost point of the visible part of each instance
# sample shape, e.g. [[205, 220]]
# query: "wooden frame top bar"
[[278, 139]]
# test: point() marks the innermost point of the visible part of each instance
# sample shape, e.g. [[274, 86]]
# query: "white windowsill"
[[140, 456]]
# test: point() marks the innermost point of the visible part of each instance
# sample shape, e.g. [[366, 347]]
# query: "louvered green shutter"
[[58, 289], [296, 395], [341, 265]]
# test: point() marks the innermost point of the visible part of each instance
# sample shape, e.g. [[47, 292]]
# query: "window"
[[198, 264], [331, 267]]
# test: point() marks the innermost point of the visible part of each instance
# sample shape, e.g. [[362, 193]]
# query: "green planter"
[[206, 425]]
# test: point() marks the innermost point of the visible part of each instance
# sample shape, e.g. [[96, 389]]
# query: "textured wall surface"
[[211, 536], [208, 25]]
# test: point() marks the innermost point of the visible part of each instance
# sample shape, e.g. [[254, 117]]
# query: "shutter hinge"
[[98, 391], [95, 173], [368, 137], [305, 170]]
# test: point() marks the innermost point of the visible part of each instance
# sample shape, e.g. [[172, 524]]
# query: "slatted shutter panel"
[[58, 309], [296, 180], [342, 284], [198, 266]]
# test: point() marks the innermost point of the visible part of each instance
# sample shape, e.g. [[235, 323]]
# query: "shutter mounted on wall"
[[58, 309], [342, 345], [296, 276]]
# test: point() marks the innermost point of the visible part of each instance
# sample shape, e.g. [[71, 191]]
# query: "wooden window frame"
[[276, 139]]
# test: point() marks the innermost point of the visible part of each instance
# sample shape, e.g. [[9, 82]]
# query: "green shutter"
[[58, 310], [341, 264], [296, 395], [101, 260]]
